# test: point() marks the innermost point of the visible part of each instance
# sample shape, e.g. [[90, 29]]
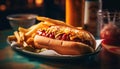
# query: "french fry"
[[80, 27], [30, 41], [33, 35], [22, 29], [53, 21], [32, 27], [25, 44], [12, 38], [29, 33], [21, 36], [16, 33]]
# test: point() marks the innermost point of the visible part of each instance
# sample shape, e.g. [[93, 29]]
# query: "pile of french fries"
[[24, 36]]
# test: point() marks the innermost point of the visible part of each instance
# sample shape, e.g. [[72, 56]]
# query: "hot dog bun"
[[85, 42], [62, 47]]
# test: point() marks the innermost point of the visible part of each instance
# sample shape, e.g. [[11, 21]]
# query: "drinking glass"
[[109, 26]]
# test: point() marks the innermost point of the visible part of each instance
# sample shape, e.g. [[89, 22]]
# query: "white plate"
[[54, 55]]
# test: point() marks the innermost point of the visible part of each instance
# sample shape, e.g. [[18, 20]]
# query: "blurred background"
[[49, 8]]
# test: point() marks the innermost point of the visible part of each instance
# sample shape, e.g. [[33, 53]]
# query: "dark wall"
[[49, 9], [111, 5]]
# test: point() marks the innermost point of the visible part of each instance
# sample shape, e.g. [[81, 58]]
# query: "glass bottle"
[[90, 16]]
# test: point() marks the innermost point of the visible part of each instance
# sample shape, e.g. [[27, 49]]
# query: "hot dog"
[[64, 39]]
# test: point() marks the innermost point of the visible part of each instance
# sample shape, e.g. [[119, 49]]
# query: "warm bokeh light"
[[30, 3], [2, 7], [39, 3]]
